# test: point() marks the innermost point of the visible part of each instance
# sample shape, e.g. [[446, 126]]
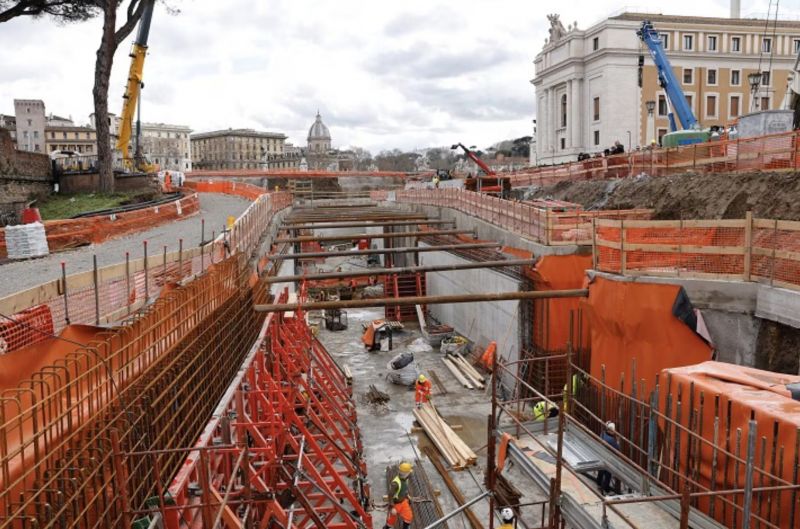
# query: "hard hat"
[[422, 378], [405, 468], [507, 515], [610, 426]]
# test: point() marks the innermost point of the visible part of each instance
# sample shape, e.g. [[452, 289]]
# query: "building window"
[[662, 105], [30, 122], [764, 103], [735, 103], [736, 78], [564, 110], [661, 133], [595, 43], [65, 135], [563, 143], [596, 108], [688, 42], [690, 101], [712, 43], [25, 134], [797, 45], [712, 76], [36, 147], [35, 134], [688, 75], [736, 44], [597, 137], [664, 40], [766, 45], [765, 78], [711, 106]]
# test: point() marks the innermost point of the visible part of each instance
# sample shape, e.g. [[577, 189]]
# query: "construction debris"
[[437, 382], [451, 446], [376, 396]]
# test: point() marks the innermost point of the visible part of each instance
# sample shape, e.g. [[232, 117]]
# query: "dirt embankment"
[[690, 196]]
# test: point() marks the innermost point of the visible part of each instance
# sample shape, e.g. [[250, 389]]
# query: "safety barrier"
[[248, 191], [764, 153], [148, 385], [71, 233], [763, 250], [548, 222], [112, 293], [298, 174]]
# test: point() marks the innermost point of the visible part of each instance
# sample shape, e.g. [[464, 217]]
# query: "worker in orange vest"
[[399, 497], [423, 391]]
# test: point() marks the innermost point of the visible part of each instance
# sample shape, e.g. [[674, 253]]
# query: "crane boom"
[[134, 85], [666, 78]]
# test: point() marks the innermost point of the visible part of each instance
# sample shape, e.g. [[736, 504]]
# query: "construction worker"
[[544, 410], [507, 517], [577, 382], [609, 435], [422, 393], [400, 504]]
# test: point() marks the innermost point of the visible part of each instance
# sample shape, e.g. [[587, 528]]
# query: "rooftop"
[[721, 21], [238, 132]]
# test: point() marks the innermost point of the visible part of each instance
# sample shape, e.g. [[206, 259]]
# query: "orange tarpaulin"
[[743, 392], [551, 316], [633, 322]]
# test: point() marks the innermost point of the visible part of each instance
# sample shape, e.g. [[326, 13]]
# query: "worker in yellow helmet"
[[422, 391], [399, 497], [544, 410]]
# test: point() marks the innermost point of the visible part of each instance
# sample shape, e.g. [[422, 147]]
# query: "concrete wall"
[[24, 176], [480, 322], [89, 182]]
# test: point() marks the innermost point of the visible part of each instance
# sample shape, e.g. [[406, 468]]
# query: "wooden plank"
[[748, 244], [437, 382], [780, 254], [456, 373], [438, 438], [710, 223], [685, 248], [475, 379], [789, 225]]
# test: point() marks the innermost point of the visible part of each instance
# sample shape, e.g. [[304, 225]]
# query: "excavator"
[[490, 183], [131, 98]]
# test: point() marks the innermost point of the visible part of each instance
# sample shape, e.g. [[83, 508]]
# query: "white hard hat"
[[507, 514], [610, 426]]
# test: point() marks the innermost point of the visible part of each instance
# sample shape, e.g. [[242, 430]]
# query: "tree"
[[64, 10], [362, 159]]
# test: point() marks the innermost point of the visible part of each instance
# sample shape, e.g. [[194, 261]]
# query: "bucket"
[[31, 215]]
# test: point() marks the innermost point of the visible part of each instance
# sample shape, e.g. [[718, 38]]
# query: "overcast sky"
[[407, 74]]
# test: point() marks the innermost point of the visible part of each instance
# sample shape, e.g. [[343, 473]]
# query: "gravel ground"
[[214, 208]]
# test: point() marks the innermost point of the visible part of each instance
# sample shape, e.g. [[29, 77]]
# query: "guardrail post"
[[748, 474], [623, 260], [64, 289], [774, 251], [180, 259], [594, 243], [128, 280], [146, 274], [748, 244], [96, 291]]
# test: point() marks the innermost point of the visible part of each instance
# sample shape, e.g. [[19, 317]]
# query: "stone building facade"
[[591, 90], [30, 125], [241, 149]]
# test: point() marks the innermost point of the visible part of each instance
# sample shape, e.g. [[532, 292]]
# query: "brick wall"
[[24, 176]]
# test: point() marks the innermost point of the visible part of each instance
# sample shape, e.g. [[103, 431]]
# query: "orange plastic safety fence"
[[248, 191], [764, 153]]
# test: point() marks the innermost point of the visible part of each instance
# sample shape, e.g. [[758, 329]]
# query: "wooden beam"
[[454, 490], [357, 236], [324, 224], [423, 300]]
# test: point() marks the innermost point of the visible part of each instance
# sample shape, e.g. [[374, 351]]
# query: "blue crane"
[[676, 100]]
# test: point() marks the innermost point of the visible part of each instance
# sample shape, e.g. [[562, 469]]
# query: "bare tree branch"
[[134, 14], [63, 10]]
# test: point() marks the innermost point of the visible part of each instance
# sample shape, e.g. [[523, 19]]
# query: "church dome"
[[318, 130]]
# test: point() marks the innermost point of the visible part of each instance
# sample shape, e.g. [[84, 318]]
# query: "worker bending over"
[[507, 517], [422, 392], [398, 494], [544, 410]]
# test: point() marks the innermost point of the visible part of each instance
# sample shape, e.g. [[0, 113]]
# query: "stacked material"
[[468, 376], [26, 240], [451, 446]]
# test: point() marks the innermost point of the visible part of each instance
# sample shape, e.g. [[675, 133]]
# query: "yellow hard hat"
[[405, 468], [422, 378]]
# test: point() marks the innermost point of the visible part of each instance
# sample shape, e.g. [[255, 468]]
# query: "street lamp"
[[755, 80], [650, 106]]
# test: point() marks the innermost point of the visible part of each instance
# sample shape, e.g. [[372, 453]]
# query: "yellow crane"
[[131, 98]]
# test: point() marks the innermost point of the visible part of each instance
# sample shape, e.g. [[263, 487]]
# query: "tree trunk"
[[102, 76]]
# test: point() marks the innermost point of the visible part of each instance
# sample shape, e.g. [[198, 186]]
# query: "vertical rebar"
[[96, 291], [748, 473], [64, 286], [128, 281], [146, 274], [165, 263], [180, 259]]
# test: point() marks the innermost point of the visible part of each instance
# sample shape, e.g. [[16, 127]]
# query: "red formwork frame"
[[282, 448]]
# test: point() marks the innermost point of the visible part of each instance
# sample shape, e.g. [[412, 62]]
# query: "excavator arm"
[[471, 155], [134, 86]]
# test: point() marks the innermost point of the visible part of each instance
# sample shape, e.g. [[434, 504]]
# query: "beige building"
[[63, 135], [241, 149], [30, 124], [591, 90]]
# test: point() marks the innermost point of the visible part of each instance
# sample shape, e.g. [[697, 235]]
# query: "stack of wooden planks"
[[468, 376], [451, 446]]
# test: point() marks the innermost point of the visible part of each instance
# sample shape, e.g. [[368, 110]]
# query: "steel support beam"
[[387, 223], [381, 251], [423, 300], [406, 270], [354, 217], [355, 237]]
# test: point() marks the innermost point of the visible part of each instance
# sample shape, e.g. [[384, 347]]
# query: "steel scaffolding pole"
[[354, 237], [324, 224], [381, 251]]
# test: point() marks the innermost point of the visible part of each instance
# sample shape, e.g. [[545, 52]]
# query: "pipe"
[[366, 224], [380, 251], [423, 300], [449, 515], [406, 270], [353, 237]]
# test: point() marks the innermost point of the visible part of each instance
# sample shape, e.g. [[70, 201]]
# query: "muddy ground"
[[690, 196]]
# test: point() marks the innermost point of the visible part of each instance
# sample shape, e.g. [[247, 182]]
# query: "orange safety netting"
[[70, 233], [718, 400], [763, 153], [634, 333], [248, 191]]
